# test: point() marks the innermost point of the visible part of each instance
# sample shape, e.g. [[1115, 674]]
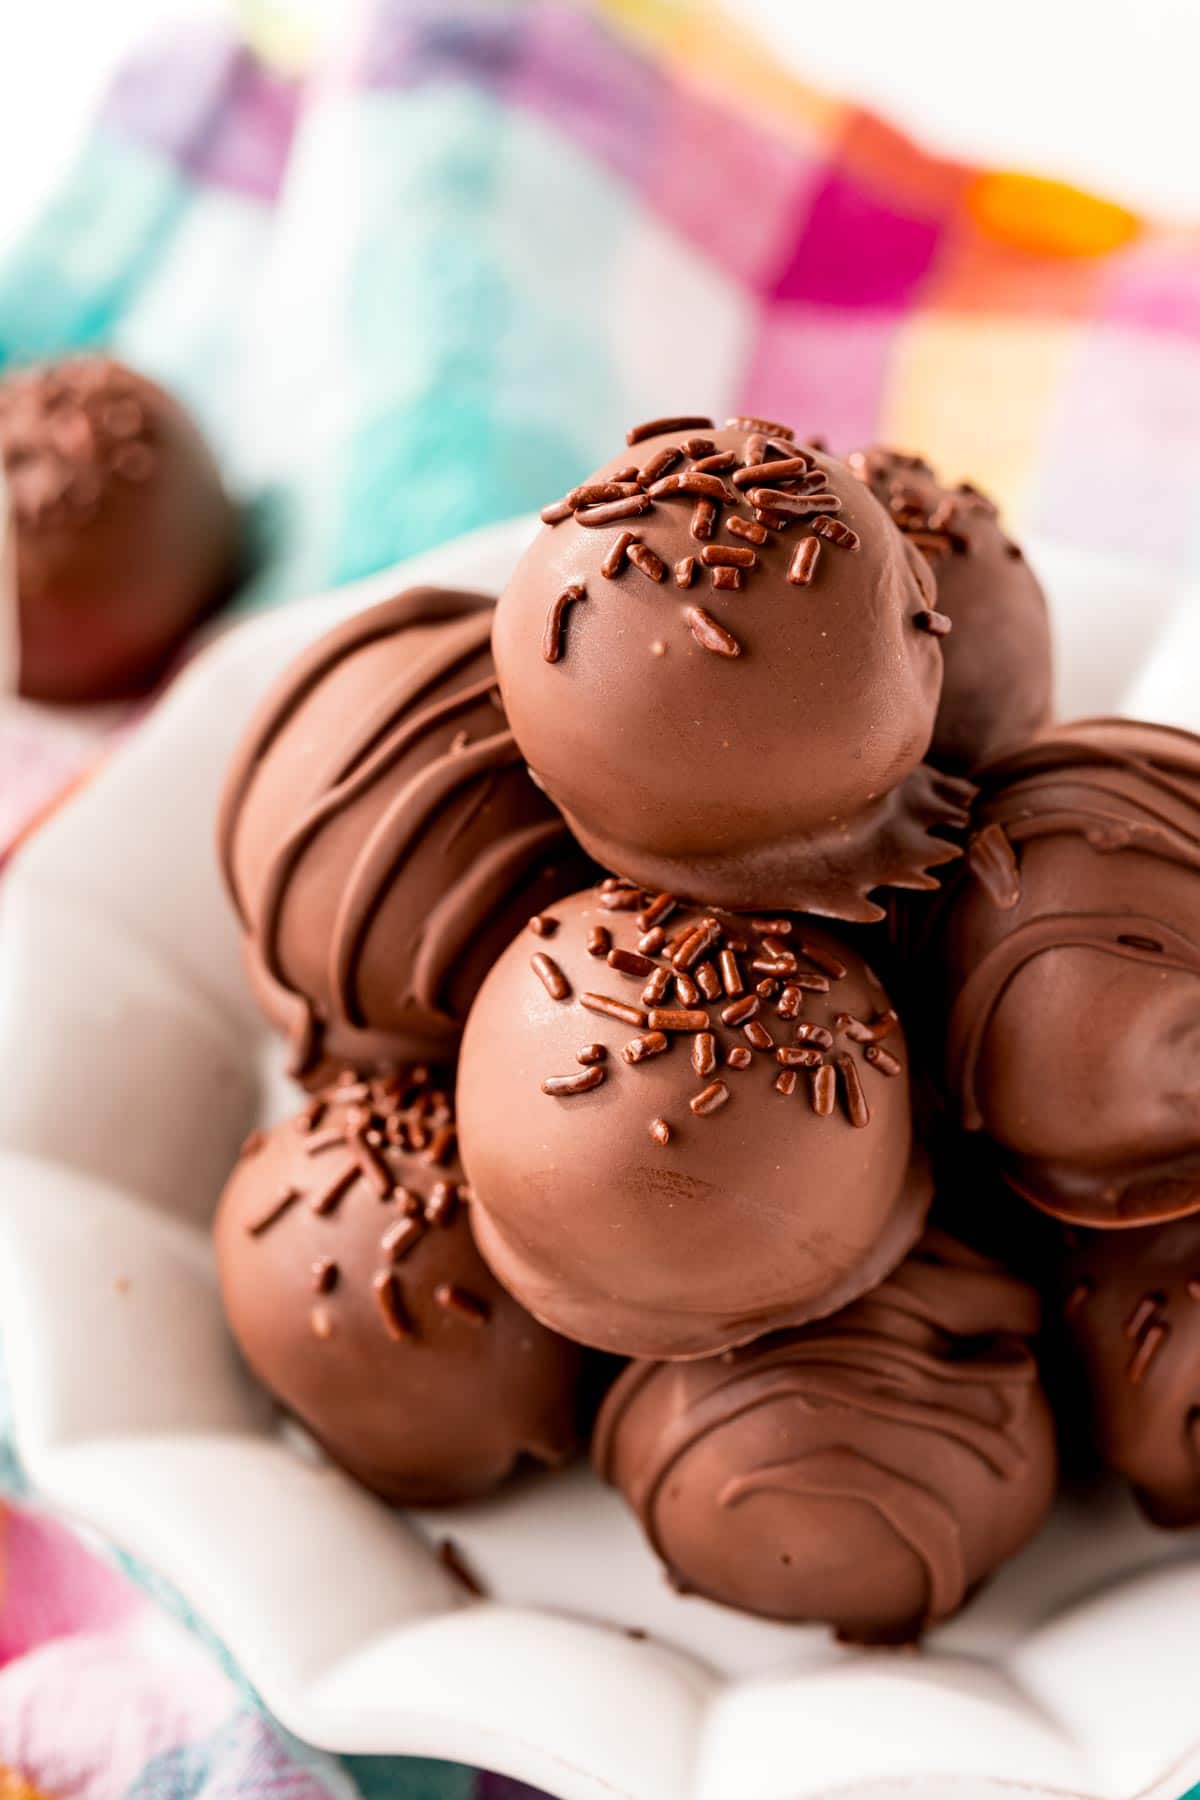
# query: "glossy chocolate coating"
[[1070, 954], [381, 837], [357, 1296], [1131, 1307], [999, 662], [778, 762], [679, 1203], [123, 536], [868, 1471]]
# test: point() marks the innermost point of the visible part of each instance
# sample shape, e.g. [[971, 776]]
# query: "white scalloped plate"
[[133, 1065]]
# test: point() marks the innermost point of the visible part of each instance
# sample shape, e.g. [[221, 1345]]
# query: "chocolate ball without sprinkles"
[[1069, 954], [866, 1472], [381, 837], [1131, 1312], [722, 660], [999, 661], [122, 535], [739, 1157], [355, 1292]]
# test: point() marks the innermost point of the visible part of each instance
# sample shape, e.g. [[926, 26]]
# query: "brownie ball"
[[123, 537], [722, 659], [868, 1472], [1131, 1308], [999, 661], [381, 838], [1070, 958], [684, 1129], [357, 1296]]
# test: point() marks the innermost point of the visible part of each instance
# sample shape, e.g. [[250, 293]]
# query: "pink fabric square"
[[855, 249], [820, 371], [1157, 288], [1127, 410], [733, 191], [53, 1587]]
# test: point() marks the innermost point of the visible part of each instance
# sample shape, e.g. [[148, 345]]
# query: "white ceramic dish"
[[133, 1065]]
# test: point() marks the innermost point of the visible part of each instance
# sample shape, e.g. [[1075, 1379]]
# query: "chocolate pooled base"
[[998, 687], [1069, 955], [123, 536], [722, 660], [1131, 1309], [868, 1472], [381, 838], [683, 1129], [357, 1296]]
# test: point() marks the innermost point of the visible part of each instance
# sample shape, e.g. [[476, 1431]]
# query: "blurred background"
[[414, 265]]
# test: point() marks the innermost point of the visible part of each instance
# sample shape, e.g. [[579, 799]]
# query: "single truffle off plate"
[[1073, 1673]]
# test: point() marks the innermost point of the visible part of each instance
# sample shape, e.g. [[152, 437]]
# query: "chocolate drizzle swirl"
[[422, 766]]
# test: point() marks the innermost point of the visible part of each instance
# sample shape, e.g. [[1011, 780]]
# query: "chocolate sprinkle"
[[660, 1131], [857, 1110], [462, 1302], [704, 1053], [648, 561], [614, 562], [552, 640], [803, 565], [709, 1099], [390, 1300], [641, 1049], [823, 1090], [937, 624], [613, 1009], [561, 1087], [660, 427], [551, 976], [710, 635]]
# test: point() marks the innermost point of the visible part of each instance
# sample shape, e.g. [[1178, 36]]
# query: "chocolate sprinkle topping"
[[660, 427], [710, 635]]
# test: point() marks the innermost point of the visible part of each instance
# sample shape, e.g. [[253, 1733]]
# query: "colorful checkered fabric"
[[425, 283]]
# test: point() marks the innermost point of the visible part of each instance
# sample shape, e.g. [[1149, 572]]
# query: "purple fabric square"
[[599, 93], [408, 43], [211, 107], [854, 249]]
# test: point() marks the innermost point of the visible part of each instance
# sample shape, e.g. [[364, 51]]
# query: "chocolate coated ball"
[[357, 1296], [719, 657], [685, 1129], [868, 1471], [381, 837], [999, 664], [122, 534], [1070, 958]]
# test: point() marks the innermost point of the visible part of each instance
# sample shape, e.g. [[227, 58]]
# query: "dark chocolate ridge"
[[892, 844]]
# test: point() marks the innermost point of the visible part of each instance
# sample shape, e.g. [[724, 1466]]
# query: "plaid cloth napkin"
[[422, 282]]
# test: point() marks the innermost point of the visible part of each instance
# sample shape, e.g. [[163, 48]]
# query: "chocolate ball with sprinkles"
[[357, 1296], [1130, 1304], [685, 1128], [999, 662], [123, 536], [381, 838], [868, 1472], [1069, 957], [723, 660]]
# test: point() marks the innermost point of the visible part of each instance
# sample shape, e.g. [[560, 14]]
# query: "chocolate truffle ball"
[[381, 838], [684, 1129], [1131, 1305], [1070, 954], [720, 657], [357, 1296], [999, 681], [123, 536], [868, 1471]]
